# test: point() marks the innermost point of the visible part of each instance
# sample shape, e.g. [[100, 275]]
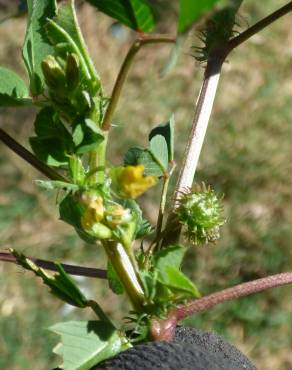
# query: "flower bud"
[[72, 71], [54, 74]]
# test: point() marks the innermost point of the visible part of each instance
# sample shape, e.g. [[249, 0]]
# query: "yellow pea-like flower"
[[131, 182], [94, 212]]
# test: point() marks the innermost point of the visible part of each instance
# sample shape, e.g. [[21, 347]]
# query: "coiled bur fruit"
[[200, 211]]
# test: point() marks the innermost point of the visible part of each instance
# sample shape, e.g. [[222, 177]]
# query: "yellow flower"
[[130, 180], [94, 211]]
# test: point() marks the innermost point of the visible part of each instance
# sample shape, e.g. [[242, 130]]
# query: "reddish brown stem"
[[235, 292], [49, 265], [29, 157], [238, 40]]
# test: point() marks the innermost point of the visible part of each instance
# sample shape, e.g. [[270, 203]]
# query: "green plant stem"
[[99, 312], [235, 292], [126, 271], [162, 205], [29, 157], [83, 49], [51, 266], [265, 22], [97, 160], [136, 46]]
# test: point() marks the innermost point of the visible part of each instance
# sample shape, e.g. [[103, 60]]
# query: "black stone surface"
[[191, 350]]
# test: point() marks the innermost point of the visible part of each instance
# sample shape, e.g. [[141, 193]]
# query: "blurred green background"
[[246, 156]]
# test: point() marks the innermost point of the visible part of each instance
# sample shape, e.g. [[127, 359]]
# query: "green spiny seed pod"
[[54, 74], [200, 212], [72, 71]]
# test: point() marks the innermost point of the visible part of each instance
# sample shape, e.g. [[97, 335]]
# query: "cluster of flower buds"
[[200, 211], [66, 85], [106, 219]]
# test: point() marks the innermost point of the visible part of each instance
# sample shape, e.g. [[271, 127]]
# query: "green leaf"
[[13, 90], [64, 33], [167, 131], [150, 163], [170, 256], [177, 281], [168, 262], [71, 212], [78, 134], [36, 44], [50, 151], [92, 137], [190, 11], [87, 343], [53, 142], [136, 155], [61, 284], [159, 150], [136, 14], [51, 185], [132, 156], [47, 125], [113, 280]]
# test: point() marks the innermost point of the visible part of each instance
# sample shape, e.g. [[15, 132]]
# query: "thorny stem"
[[136, 46], [204, 109], [199, 126], [235, 292], [244, 36], [196, 139], [29, 157], [49, 265]]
